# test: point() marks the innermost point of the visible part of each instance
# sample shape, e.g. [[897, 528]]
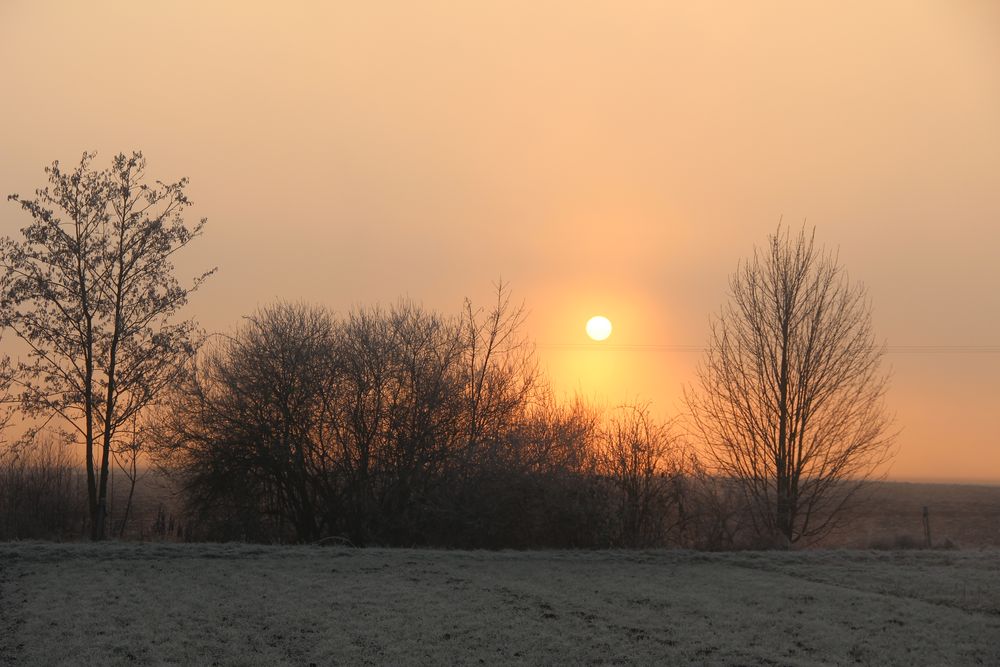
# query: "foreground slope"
[[239, 604]]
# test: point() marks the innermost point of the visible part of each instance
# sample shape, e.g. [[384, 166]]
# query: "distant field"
[[252, 605], [965, 516]]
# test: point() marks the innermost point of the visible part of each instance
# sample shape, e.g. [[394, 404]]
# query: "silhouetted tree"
[[247, 425], [500, 388], [644, 462], [392, 426], [396, 419], [791, 392], [90, 289], [501, 375], [552, 492]]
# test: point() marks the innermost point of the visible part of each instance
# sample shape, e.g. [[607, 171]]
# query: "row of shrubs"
[[42, 496], [395, 427], [404, 427]]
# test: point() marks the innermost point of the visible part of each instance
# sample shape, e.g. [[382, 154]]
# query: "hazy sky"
[[603, 157]]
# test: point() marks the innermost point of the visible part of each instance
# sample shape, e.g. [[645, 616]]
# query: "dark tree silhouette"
[[791, 397], [396, 424], [90, 289], [501, 374], [247, 424], [645, 463], [393, 426]]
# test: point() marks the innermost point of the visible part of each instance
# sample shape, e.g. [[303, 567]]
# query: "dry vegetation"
[[41, 498], [257, 605]]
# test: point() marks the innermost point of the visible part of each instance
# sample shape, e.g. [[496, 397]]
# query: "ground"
[[129, 603]]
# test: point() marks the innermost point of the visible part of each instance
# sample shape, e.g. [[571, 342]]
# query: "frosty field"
[[250, 605]]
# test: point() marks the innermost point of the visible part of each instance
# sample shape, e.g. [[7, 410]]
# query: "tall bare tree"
[[501, 372], [90, 289], [791, 398]]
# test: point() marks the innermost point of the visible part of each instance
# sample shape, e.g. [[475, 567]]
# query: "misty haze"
[[499, 333]]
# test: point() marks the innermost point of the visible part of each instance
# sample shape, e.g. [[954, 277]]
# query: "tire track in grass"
[[878, 626], [781, 568]]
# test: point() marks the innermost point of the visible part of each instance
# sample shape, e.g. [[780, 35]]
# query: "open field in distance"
[[890, 515], [122, 603]]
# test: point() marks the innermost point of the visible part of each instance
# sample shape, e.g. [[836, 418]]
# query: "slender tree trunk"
[[88, 390], [128, 503], [102, 498], [91, 478], [110, 398], [784, 524]]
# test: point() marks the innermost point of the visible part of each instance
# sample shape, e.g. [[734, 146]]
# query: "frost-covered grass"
[[251, 605]]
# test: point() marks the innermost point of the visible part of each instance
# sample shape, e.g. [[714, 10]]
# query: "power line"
[[596, 346], [890, 349], [943, 349]]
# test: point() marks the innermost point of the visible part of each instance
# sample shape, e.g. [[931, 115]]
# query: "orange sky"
[[611, 157]]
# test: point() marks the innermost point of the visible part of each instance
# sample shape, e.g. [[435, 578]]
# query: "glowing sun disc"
[[598, 327]]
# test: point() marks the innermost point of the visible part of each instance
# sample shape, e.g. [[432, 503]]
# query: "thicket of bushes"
[[404, 427]]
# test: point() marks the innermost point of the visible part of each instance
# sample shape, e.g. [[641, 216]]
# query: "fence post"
[[927, 527]]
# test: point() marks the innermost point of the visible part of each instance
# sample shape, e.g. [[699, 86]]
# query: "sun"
[[598, 327]]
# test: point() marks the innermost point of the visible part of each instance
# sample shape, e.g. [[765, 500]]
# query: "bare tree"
[[246, 425], [643, 461], [90, 289], [501, 373], [396, 417], [791, 397], [393, 426]]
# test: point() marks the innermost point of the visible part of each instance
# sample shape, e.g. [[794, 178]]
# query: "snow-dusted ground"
[[252, 605]]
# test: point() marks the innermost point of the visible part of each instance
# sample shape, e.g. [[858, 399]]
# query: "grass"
[[127, 603]]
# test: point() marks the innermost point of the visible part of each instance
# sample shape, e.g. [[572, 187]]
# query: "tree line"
[[402, 426]]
